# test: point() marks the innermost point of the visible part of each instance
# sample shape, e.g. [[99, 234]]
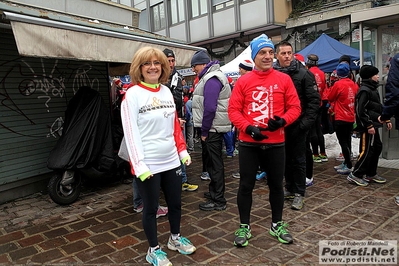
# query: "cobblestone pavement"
[[101, 227]]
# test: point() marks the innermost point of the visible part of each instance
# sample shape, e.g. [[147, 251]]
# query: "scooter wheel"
[[64, 194]]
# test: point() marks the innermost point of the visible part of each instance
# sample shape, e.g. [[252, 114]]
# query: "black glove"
[[275, 123], [255, 133]]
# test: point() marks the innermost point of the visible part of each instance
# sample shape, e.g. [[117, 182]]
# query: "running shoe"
[[357, 180], [309, 181], [162, 211], [340, 157], [344, 171], [396, 199], [205, 176], [337, 167], [316, 159], [323, 157], [158, 258], [297, 203], [242, 235], [288, 195], [260, 176], [236, 175], [280, 231], [138, 208], [188, 187], [182, 245], [376, 178]]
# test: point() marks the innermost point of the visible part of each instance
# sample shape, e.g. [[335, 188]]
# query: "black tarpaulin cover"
[[86, 139]]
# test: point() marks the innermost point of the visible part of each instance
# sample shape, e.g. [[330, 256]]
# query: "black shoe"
[[207, 195], [211, 206]]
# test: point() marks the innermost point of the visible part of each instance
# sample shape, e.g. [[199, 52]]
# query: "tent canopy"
[[330, 50], [231, 68]]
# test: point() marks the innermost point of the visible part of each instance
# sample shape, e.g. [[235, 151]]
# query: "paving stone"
[[125, 242], [52, 243], [29, 241], [94, 252], [6, 248], [47, 256], [11, 237], [32, 230], [123, 255], [4, 259], [102, 238], [123, 231], [84, 224], [16, 255], [77, 235], [75, 247], [56, 232]]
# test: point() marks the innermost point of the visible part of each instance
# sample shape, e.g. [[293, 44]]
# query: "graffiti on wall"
[[26, 84]]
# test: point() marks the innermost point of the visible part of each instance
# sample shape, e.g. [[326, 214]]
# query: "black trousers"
[[295, 165], [170, 182], [343, 130], [309, 157], [212, 157], [317, 137], [272, 160], [370, 148]]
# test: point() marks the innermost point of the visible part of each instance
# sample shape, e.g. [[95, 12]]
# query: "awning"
[[39, 37]]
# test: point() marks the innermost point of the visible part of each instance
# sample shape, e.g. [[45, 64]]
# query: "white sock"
[[175, 236], [274, 224], [152, 249]]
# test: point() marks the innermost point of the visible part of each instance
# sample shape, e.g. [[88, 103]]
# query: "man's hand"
[[182, 121], [371, 130], [276, 123], [255, 133]]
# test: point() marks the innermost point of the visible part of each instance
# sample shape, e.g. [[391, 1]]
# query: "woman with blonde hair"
[[156, 146]]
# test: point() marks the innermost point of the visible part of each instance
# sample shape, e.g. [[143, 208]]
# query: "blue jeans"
[[228, 138], [183, 173]]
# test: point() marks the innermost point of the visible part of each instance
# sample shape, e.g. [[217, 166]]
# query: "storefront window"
[[390, 43]]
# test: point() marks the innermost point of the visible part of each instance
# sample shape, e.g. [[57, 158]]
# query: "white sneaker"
[[205, 176], [182, 245], [309, 182], [158, 258]]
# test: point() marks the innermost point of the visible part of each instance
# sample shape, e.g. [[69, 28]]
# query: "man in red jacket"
[[342, 97], [263, 102]]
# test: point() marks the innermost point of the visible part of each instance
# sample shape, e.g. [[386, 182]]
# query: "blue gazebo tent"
[[330, 50]]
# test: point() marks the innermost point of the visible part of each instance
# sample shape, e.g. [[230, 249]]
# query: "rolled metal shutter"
[[34, 94]]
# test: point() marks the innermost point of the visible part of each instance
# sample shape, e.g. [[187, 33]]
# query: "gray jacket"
[[221, 122]]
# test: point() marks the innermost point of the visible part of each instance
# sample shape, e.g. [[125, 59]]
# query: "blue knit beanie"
[[343, 70], [199, 58], [258, 43]]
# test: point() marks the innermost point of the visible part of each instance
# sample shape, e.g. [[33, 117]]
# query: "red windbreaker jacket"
[[342, 96], [259, 95]]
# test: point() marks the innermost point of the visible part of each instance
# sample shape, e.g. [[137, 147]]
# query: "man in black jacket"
[[295, 139], [176, 87], [368, 109]]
